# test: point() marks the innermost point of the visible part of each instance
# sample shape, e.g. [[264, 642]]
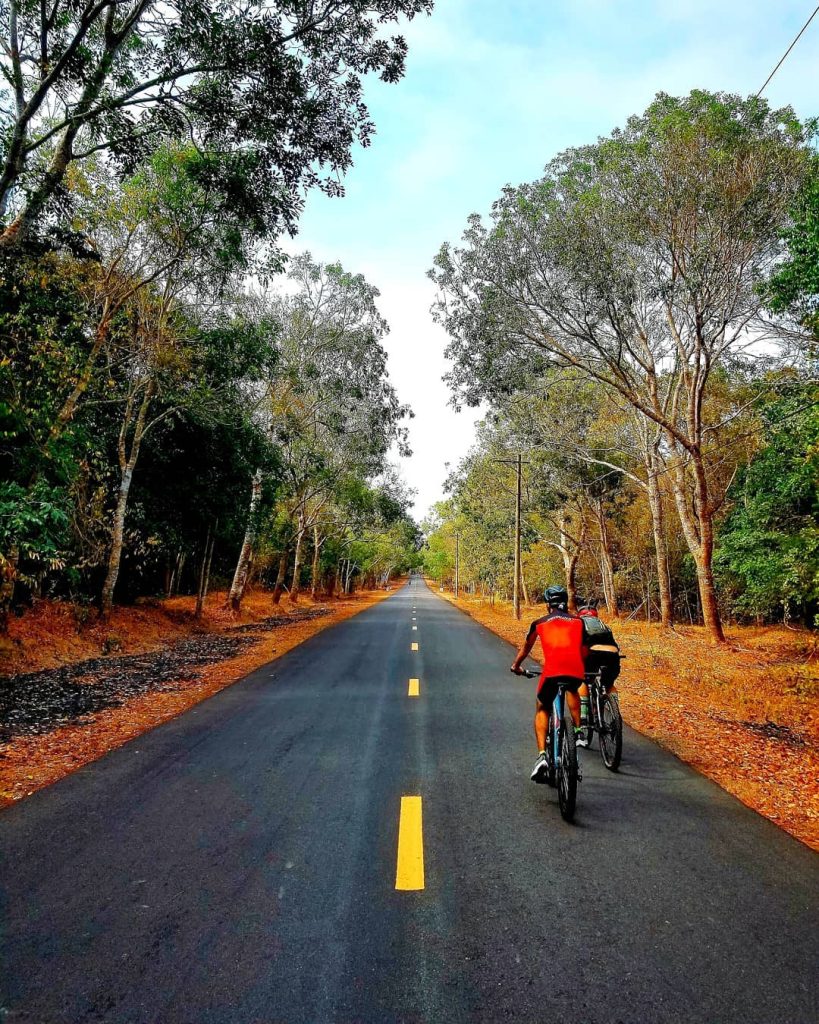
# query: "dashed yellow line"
[[414, 688], [414, 647], [409, 871]]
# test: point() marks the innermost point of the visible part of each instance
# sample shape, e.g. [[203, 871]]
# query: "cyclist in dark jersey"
[[562, 638], [604, 654]]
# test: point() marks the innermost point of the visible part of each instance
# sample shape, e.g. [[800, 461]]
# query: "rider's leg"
[[583, 693], [573, 701], [541, 726]]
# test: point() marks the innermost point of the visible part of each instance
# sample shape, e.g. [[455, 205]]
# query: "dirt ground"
[[72, 689], [746, 714]]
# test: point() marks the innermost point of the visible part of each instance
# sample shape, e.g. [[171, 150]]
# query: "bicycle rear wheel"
[[611, 732], [567, 768]]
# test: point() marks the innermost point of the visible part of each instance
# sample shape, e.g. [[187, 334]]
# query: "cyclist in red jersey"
[[562, 638]]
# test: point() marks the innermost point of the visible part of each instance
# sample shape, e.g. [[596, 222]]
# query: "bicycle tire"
[[611, 732], [567, 768]]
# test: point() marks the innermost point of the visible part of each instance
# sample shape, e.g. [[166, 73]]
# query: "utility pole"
[[516, 588], [518, 463], [457, 563]]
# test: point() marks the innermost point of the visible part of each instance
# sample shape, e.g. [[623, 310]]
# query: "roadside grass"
[[746, 714]]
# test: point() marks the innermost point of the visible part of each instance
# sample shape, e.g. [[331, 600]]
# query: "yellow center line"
[[414, 690], [409, 872], [414, 647]]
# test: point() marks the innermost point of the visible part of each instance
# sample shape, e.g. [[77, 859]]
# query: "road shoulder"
[[41, 755]]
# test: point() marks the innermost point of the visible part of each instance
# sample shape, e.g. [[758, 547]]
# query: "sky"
[[493, 90]]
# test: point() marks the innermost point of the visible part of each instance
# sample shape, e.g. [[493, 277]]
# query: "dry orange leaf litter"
[[746, 715], [51, 637]]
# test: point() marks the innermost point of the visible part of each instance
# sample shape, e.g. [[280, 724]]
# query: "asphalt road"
[[238, 864]]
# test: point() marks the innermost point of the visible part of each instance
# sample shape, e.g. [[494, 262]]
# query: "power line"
[[785, 54]]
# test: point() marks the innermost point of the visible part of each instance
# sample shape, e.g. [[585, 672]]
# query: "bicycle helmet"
[[587, 607], [556, 597]]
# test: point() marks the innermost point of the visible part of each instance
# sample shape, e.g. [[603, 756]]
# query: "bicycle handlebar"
[[524, 672]]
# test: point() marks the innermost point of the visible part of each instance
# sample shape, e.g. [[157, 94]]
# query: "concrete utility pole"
[[518, 463], [457, 563]]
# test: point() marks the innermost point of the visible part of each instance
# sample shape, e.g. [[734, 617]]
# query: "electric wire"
[[785, 54]]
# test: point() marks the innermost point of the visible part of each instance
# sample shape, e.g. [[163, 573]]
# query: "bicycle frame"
[[556, 719], [594, 682], [598, 694]]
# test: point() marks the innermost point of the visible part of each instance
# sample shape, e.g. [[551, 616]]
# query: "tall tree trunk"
[[69, 406], [8, 579], [650, 437], [204, 573], [607, 565], [127, 464], [570, 549], [334, 581], [281, 576], [655, 504], [523, 586], [240, 576], [296, 584], [173, 582], [698, 530], [314, 580]]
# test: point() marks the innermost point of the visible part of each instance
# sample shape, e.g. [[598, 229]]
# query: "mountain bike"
[[605, 720], [561, 750]]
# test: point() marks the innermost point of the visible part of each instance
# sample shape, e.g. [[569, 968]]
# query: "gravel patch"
[[34, 703]]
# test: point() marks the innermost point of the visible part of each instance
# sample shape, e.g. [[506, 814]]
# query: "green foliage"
[[43, 343], [768, 548], [272, 92], [33, 528], [794, 288]]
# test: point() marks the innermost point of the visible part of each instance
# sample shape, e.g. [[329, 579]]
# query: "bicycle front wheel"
[[567, 768], [611, 732]]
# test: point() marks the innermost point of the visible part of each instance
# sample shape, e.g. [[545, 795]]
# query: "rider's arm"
[[523, 653]]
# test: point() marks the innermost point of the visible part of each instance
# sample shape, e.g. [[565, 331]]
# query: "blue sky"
[[493, 90]]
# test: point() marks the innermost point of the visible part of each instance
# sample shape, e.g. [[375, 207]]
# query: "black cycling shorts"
[[548, 688]]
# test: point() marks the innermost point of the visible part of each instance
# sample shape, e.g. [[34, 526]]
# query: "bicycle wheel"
[[567, 768], [611, 732]]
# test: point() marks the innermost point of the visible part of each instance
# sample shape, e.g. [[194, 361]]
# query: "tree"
[[270, 91], [160, 242], [329, 407], [636, 261], [768, 555]]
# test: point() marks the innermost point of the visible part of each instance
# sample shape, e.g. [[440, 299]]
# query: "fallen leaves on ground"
[[745, 714]]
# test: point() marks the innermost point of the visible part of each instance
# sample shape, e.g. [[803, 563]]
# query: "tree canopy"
[[639, 263]]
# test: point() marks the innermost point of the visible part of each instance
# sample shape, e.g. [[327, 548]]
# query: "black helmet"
[[556, 597]]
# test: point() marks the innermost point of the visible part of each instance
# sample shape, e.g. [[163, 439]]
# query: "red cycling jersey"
[[564, 652]]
